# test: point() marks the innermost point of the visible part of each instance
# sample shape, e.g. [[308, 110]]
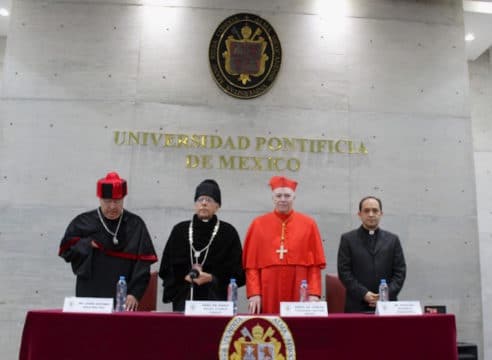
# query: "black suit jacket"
[[360, 268]]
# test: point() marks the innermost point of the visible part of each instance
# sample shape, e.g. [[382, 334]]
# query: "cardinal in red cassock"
[[281, 249]]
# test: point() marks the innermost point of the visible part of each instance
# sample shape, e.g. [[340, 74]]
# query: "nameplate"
[[398, 308], [88, 305], [209, 308], [307, 308]]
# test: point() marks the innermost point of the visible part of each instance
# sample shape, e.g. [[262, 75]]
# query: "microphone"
[[194, 273]]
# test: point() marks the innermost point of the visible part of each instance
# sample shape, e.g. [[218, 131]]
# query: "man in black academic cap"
[[206, 251], [107, 243]]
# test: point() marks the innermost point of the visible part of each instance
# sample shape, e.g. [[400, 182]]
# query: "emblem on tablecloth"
[[257, 338], [245, 55]]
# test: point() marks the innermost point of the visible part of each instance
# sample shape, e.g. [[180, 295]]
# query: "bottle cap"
[[383, 281], [122, 277], [233, 280]]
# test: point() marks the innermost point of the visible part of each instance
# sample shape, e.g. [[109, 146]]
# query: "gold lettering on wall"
[[241, 152]]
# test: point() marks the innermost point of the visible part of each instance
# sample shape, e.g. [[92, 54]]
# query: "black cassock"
[[98, 270], [224, 261], [362, 265]]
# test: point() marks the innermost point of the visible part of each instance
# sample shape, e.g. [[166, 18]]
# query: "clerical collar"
[[370, 232], [204, 222]]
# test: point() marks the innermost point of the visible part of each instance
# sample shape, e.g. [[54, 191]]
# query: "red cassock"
[[277, 276]]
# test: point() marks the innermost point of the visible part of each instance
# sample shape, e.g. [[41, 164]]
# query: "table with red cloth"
[[53, 335]]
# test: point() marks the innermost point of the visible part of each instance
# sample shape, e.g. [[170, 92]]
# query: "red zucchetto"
[[281, 181], [111, 187]]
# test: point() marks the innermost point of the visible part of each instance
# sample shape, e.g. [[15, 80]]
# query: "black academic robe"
[[98, 269], [360, 267], [223, 262]]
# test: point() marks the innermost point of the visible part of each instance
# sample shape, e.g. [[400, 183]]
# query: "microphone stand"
[[193, 275]]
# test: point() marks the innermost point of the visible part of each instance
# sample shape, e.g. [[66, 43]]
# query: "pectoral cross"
[[281, 251]]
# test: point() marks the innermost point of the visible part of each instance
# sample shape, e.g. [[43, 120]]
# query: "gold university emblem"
[[245, 55], [257, 338]]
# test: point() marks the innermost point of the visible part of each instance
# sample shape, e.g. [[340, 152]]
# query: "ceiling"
[[477, 18]]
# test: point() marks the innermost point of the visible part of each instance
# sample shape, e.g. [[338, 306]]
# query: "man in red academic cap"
[[107, 243], [281, 249]]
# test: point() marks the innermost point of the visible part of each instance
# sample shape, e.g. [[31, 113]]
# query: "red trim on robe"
[[68, 244], [123, 255], [130, 256], [118, 254]]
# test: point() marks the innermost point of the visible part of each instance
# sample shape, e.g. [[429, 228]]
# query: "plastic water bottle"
[[303, 291], [120, 294], [383, 291], [232, 294]]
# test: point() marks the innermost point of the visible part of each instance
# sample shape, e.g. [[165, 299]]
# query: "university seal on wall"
[[257, 338], [245, 55]]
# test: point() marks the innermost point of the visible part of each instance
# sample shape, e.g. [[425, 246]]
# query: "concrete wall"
[[481, 110], [3, 44], [390, 74]]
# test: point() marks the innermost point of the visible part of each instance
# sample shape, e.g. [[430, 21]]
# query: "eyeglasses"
[[205, 199]]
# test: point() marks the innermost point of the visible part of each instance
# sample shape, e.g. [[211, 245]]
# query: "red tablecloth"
[[52, 335]]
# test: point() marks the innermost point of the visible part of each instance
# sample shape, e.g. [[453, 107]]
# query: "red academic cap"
[[111, 187], [281, 181]]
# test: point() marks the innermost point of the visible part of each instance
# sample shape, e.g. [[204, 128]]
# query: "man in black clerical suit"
[[368, 254], [107, 243], [206, 251]]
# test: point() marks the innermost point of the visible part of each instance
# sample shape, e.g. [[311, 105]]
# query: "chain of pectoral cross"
[[282, 250]]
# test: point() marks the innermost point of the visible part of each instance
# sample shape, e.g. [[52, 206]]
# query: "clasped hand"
[[371, 298], [202, 278]]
